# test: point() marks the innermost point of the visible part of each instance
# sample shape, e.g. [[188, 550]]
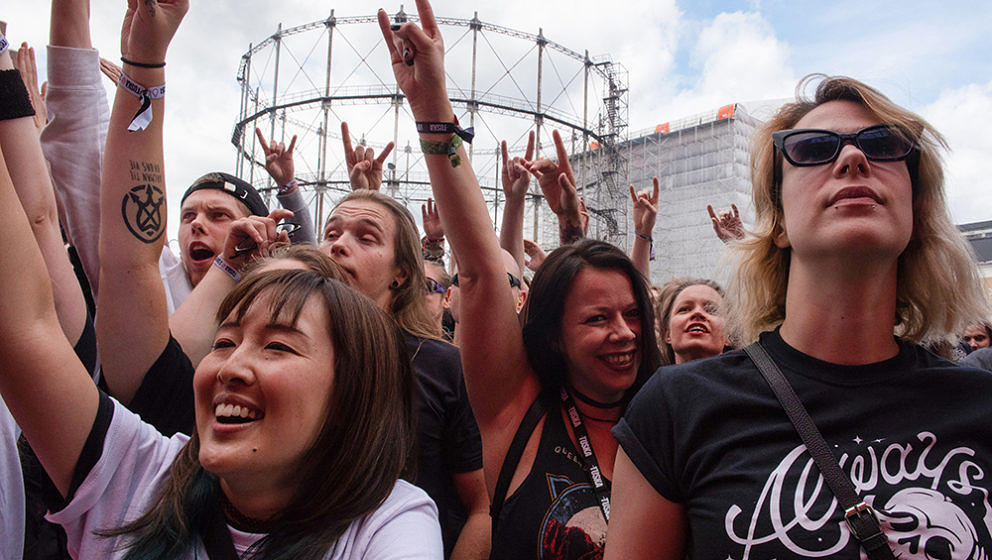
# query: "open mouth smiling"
[[227, 413]]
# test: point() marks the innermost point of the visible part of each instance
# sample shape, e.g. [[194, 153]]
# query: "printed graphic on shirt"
[[931, 503], [573, 527]]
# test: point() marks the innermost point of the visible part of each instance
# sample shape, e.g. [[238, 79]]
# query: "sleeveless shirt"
[[554, 513]]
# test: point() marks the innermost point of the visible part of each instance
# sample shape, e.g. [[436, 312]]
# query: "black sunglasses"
[[435, 287], [805, 147], [514, 281]]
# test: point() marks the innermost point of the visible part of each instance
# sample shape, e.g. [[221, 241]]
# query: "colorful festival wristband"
[[143, 117]]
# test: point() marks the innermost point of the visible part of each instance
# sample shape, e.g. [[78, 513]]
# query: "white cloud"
[[738, 58], [962, 115]]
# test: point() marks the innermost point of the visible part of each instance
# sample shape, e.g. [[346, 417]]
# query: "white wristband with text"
[[226, 267], [143, 117]]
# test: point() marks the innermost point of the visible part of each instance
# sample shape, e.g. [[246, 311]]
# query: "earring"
[[394, 285]]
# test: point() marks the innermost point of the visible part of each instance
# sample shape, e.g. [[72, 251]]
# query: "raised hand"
[[253, 236], [557, 182], [515, 177], [25, 64], [417, 56], [110, 70], [364, 169], [727, 224], [278, 159], [645, 208], [535, 255], [149, 26], [432, 222]]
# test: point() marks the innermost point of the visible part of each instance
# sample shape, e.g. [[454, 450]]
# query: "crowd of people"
[[352, 389]]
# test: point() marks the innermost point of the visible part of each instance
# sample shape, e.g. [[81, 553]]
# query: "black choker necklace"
[[592, 402], [242, 522], [597, 419]]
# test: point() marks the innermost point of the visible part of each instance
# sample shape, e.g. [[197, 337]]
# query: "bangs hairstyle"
[[938, 289], [545, 307], [408, 305], [354, 462], [666, 299]]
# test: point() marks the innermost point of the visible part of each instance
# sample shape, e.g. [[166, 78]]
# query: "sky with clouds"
[[683, 58]]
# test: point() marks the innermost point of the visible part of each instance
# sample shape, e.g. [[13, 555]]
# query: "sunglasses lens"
[[883, 143], [810, 148]]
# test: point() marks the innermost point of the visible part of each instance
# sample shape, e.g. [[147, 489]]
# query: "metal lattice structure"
[[698, 160], [305, 80]]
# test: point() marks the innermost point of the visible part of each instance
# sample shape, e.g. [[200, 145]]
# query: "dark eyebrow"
[[364, 221], [280, 327]]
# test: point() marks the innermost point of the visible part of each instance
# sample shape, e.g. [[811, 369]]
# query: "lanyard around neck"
[[589, 462]]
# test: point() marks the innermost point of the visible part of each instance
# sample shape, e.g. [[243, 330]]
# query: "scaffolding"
[[305, 80], [699, 160]]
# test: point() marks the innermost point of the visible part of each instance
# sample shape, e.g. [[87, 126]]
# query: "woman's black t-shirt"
[[914, 432]]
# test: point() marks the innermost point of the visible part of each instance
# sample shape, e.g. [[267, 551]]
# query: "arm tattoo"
[[142, 206]]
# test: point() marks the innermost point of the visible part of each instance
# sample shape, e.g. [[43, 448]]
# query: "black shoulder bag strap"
[[217, 537], [512, 459], [860, 517]]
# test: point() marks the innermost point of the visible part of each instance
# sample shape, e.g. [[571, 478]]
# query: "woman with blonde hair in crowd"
[[690, 320], [851, 263]]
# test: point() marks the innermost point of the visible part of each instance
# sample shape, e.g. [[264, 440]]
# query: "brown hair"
[[938, 289], [309, 255], [358, 455], [408, 305], [669, 292]]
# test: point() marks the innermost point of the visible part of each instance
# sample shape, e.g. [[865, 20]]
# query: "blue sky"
[[683, 58]]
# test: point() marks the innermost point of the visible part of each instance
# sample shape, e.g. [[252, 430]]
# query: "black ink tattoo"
[[142, 212], [151, 6]]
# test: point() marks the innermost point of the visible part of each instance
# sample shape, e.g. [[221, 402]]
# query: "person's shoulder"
[[433, 352], [969, 370], [726, 366], [981, 359]]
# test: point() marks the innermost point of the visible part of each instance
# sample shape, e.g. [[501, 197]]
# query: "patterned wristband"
[[226, 267]]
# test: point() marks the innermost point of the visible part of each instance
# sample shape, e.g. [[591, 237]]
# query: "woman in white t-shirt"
[[303, 406]]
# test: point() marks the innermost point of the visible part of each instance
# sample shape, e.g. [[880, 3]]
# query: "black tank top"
[[554, 514]]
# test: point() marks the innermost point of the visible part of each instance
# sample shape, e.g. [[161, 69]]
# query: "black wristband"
[[466, 134], [142, 64], [14, 99]]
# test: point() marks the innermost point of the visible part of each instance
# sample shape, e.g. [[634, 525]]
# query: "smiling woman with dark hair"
[[545, 396], [852, 262]]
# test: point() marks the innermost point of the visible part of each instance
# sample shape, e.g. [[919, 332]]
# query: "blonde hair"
[[938, 289], [663, 309]]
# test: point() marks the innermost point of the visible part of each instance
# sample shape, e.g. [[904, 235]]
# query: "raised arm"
[[500, 382], [558, 185], [42, 382], [364, 169], [280, 166], [645, 213], [516, 182], [74, 139], [132, 204], [29, 174]]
